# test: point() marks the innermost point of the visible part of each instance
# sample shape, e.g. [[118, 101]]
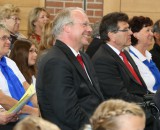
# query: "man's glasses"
[[5, 38], [85, 24], [122, 30]]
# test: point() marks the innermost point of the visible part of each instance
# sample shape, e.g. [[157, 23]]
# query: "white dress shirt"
[[143, 69]]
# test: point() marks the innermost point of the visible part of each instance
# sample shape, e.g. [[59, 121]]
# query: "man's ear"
[[111, 36], [67, 28]]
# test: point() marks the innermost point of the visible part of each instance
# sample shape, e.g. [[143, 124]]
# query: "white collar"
[[139, 54], [114, 49], [74, 52]]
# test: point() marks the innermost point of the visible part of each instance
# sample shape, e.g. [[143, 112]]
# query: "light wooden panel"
[[153, 16], [24, 17], [25, 7], [111, 6], [140, 5], [148, 8], [21, 3]]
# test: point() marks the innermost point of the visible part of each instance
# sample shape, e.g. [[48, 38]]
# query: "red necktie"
[[80, 60], [130, 67]]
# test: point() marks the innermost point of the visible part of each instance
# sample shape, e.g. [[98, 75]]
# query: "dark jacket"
[[65, 94], [115, 79]]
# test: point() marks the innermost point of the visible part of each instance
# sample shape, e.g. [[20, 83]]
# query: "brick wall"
[[94, 8]]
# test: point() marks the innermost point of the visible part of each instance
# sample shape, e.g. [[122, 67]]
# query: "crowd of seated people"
[[71, 84], [13, 83]]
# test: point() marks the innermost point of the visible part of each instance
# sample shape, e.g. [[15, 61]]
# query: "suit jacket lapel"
[[135, 67], [96, 90], [119, 60], [73, 59]]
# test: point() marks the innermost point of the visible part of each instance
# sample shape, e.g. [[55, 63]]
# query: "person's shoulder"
[[9, 61], [101, 50]]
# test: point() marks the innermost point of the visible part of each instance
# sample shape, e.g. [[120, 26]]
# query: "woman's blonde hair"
[[33, 16], [104, 118], [35, 123], [8, 10], [47, 38]]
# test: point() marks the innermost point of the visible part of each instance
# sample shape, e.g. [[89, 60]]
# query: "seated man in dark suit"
[[68, 91], [118, 75]]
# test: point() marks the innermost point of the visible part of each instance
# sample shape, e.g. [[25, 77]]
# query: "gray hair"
[[3, 27], [156, 26], [7, 10], [64, 17], [95, 28]]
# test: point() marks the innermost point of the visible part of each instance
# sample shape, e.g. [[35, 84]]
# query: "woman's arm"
[[8, 102]]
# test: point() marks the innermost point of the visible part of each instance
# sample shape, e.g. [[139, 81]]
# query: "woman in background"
[[141, 40], [47, 41], [9, 16], [37, 18], [24, 54], [12, 82]]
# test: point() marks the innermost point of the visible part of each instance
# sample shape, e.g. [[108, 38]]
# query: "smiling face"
[[4, 42], [32, 55], [81, 29], [145, 36]]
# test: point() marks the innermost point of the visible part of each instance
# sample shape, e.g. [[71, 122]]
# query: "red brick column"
[[94, 8]]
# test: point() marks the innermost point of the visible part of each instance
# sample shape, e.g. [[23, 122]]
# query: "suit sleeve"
[[61, 94], [111, 81]]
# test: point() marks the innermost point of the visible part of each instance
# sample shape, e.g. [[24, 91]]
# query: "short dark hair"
[[136, 24], [109, 23]]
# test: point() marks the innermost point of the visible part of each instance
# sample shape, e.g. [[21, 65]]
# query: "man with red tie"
[[118, 75], [67, 89]]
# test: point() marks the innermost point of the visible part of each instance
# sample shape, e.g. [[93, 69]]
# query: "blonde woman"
[[37, 18], [47, 41], [118, 115]]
